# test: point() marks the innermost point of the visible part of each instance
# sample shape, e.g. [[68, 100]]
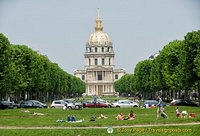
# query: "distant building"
[[39, 53], [100, 73]]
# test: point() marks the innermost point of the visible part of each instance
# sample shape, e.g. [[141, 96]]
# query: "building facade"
[[100, 73]]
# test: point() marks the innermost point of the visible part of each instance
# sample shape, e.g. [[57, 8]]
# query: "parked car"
[[149, 102], [75, 104], [61, 103], [32, 104], [104, 101], [57, 104], [15, 105], [6, 105], [180, 102], [91, 104], [125, 103]]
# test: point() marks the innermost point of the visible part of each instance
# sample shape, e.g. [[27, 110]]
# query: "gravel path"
[[151, 125]]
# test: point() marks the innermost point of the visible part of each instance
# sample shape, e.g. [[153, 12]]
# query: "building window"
[[99, 75], [108, 49], [89, 62], [103, 61], [90, 49], [109, 61], [96, 62], [116, 76], [83, 77], [102, 49], [95, 49]]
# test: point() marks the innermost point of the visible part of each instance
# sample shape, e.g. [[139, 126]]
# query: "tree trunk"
[[18, 96], [186, 95], [179, 94], [198, 89]]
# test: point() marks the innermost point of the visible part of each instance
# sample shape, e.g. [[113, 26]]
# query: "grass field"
[[142, 131], [15, 117]]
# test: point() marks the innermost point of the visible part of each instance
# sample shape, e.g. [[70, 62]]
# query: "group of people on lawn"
[[131, 116]]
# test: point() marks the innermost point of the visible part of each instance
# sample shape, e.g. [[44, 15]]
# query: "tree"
[[188, 64], [4, 65], [142, 77]]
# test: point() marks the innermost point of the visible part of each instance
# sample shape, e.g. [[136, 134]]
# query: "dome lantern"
[[99, 37], [98, 26]]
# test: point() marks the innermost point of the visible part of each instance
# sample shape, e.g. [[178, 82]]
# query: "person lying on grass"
[[35, 113], [102, 117], [120, 117], [25, 111], [131, 116]]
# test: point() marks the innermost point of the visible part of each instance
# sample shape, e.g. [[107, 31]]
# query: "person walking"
[[160, 108], [84, 102], [95, 101]]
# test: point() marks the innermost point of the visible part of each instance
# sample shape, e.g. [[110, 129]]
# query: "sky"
[[60, 28]]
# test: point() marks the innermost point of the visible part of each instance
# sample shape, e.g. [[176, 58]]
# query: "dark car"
[[149, 102], [32, 104], [91, 104], [6, 105], [180, 102]]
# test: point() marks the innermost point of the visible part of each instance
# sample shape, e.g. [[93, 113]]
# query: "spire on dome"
[[98, 26]]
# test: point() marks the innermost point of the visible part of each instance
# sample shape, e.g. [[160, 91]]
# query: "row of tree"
[[28, 74], [175, 70]]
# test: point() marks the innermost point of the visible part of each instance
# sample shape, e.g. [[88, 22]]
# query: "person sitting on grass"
[[152, 105], [71, 118], [177, 113], [102, 117], [65, 107], [120, 116], [131, 116], [184, 114]]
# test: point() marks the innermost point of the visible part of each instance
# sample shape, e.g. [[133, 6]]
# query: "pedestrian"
[[95, 100], [160, 108], [84, 101]]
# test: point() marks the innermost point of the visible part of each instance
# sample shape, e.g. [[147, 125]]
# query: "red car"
[[90, 104]]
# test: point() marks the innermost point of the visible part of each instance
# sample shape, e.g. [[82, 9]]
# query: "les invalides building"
[[100, 73]]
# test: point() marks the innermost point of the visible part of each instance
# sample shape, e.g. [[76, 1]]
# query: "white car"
[[71, 102], [61, 104], [125, 103], [58, 104]]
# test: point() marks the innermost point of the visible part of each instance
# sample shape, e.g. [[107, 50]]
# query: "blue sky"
[[60, 28]]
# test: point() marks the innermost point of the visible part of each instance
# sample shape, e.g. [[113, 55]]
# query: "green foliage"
[[24, 70], [125, 84], [142, 75], [170, 61], [4, 64], [177, 67]]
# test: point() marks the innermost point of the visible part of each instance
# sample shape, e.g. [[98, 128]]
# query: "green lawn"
[[15, 117], [141, 131]]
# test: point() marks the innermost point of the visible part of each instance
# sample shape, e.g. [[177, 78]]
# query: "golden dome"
[[99, 37]]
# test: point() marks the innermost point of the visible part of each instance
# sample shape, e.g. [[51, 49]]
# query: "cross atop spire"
[[98, 14], [98, 26]]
